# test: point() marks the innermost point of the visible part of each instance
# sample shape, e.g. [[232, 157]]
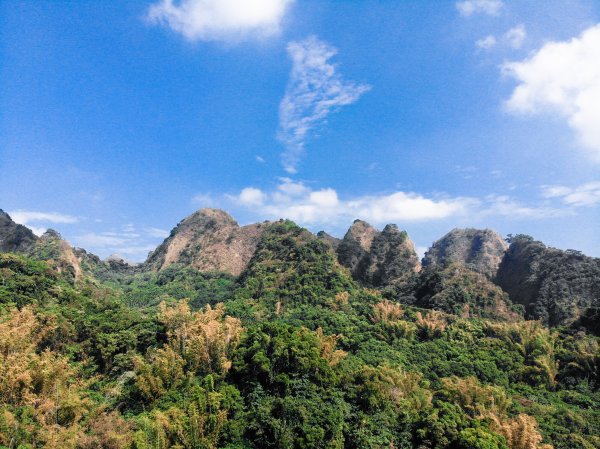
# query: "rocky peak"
[[208, 240], [331, 241], [115, 258], [14, 238], [392, 258], [355, 245], [52, 248], [378, 258], [362, 233], [555, 286], [51, 234], [479, 250]]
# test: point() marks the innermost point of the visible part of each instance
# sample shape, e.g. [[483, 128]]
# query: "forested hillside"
[[298, 351]]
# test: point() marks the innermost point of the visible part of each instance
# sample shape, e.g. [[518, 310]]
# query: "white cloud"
[[584, 195], [156, 232], [564, 78], [102, 240], [203, 200], [516, 36], [421, 250], [297, 202], [38, 221], [315, 90], [260, 159], [27, 216], [486, 43], [502, 205], [251, 196], [469, 7], [128, 240], [220, 20], [39, 231]]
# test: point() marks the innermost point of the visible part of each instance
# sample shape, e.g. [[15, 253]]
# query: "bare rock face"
[[392, 258], [208, 240], [376, 258], [14, 238], [479, 250], [355, 246], [52, 248], [557, 287]]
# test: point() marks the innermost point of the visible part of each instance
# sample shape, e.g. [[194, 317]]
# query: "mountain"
[[458, 290], [354, 248], [478, 250], [14, 238], [297, 351], [332, 242], [555, 286], [51, 247], [375, 258], [208, 240]]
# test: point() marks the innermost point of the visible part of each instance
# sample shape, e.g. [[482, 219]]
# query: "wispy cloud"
[[579, 196], [27, 216], [507, 207], [486, 43], [203, 200], [38, 222], [129, 241], [467, 8], [516, 36], [564, 78], [314, 91], [221, 20]]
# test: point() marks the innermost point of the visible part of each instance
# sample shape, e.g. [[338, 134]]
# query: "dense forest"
[[294, 352]]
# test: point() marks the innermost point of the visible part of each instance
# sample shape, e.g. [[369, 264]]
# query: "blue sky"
[[118, 119]]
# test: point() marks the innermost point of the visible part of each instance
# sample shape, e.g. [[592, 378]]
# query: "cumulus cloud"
[[516, 36], [296, 201], [251, 197], [307, 206], [584, 195], [314, 91], [220, 20], [564, 78], [467, 8], [486, 43]]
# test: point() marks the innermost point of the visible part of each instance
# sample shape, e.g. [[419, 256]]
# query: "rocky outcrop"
[[458, 290], [478, 250], [355, 246], [332, 242], [557, 287], [378, 259], [208, 240], [52, 248], [14, 238], [392, 258]]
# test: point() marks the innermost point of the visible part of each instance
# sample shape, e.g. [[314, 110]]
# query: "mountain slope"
[[378, 259], [14, 238], [557, 287], [208, 240], [478, 250]]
